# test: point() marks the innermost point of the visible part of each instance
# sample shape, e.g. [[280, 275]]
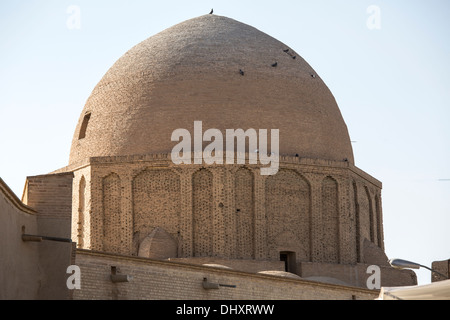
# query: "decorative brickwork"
[[379, 222], [81, 212], [244, 213], [156, 203], [288, 214], [203, 226], [124, 201], [318, 210], [330, 220], [112, 197], [365, 214], [81, 209]]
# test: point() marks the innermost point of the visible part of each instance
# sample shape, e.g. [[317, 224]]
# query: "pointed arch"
[[288, 209], [159, 244], [156, 203]]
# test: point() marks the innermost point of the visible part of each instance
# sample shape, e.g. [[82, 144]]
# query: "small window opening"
[[289, 261], [84, 126], [283, 257]]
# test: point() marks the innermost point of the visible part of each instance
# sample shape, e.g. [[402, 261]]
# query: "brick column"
[[229, 212], [126, 219], [315, 182], [95, 214], [218, 212], [186, 232], [260, 216], [347, 230], [357, 189], [379, 214]]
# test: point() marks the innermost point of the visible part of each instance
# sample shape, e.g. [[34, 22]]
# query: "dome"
[[191, 72]]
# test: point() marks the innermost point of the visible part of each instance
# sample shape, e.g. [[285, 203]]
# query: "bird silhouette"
[[241, 72], [287, 50], [212, 11], [275, 64]]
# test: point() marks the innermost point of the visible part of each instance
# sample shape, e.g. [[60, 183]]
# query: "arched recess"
[[112, 213], [81, 212], [156, 203], [357, 223], [202, 198], [370, 217], [378, 225], [365, 213], [244, 213], [330, 220], [159, 245], [288, 211]]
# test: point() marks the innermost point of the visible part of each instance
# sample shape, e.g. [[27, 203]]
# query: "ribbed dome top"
[[191, 72]]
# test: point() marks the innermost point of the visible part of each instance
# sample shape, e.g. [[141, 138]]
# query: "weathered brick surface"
[[50, 195], [159, 280], [130, 199], [288, 213], [122, 196], [443, 267], [190, 72], [81, 207], [244, 218], [320, 210]]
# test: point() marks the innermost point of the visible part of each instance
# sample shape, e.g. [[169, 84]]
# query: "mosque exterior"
[[139, 226]]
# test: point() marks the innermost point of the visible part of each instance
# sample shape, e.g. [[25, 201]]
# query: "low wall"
[[165, 280]]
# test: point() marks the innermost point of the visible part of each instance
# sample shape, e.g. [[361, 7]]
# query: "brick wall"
[[321, 210], [81, 207], [443, 267], [159, 280], [50, 195]]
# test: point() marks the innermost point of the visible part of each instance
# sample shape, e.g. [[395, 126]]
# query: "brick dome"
[[191, 72]]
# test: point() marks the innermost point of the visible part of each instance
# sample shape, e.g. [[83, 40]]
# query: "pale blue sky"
[[392, 86]]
